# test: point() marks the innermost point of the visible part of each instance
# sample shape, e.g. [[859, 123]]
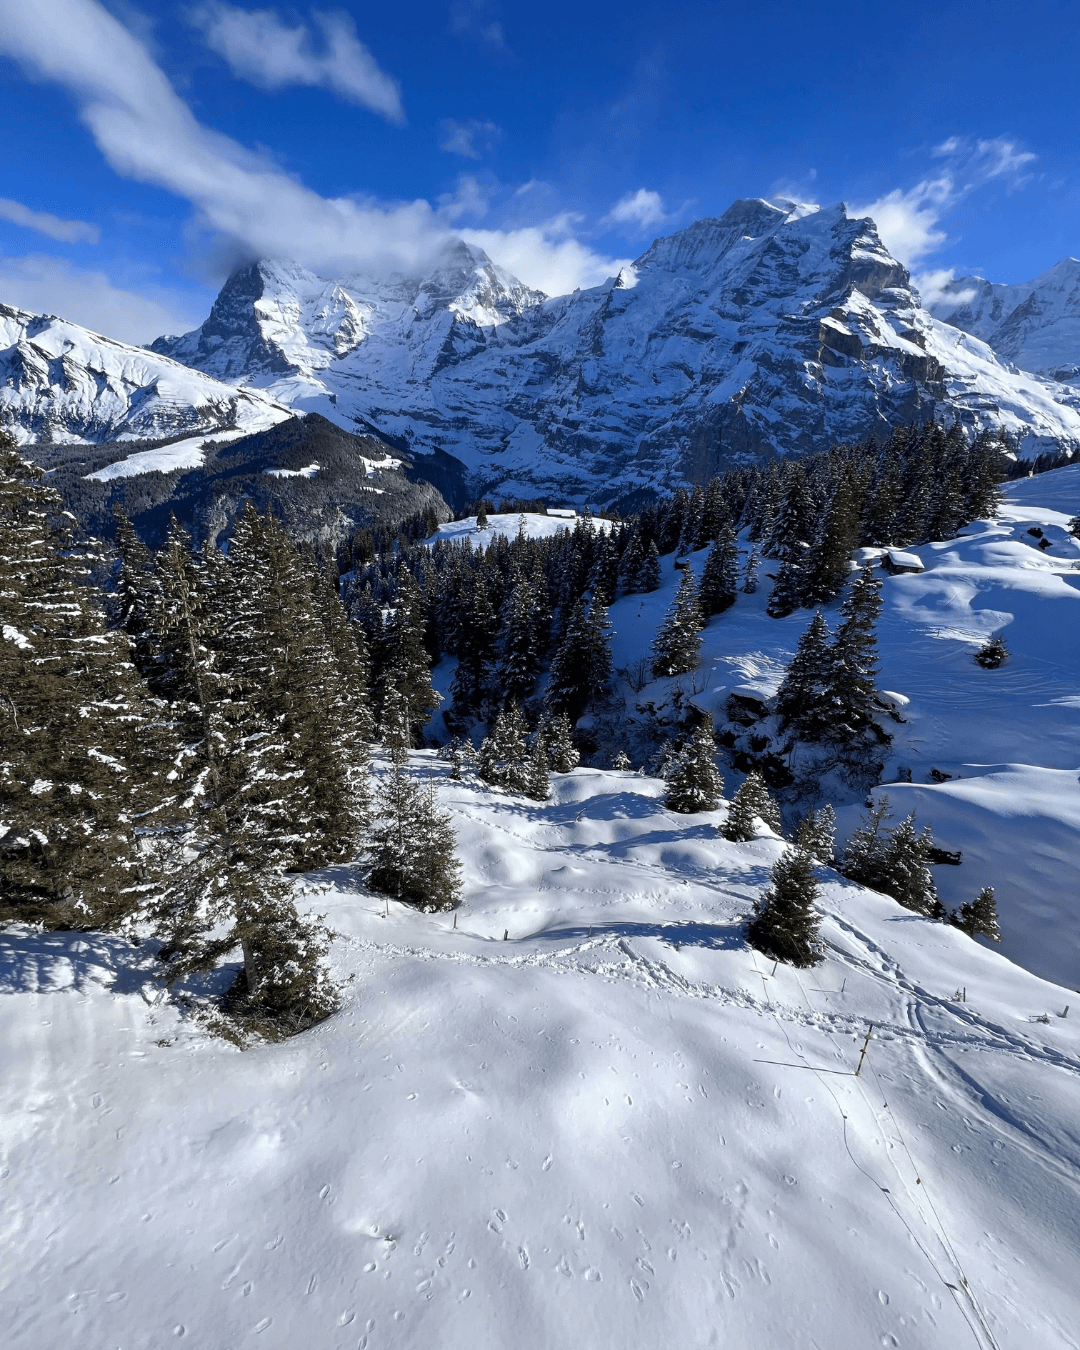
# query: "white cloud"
[[642, 207], [935, 288], [472, 139], [44, 284], [266, 52], [548, 256], [247, 203], [908, 219], [468, 200], [66, 231], [476, 19]]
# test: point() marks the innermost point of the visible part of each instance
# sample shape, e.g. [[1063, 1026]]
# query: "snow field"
[[186, 454], [1010, 737], [537, 526], [579, 1135]]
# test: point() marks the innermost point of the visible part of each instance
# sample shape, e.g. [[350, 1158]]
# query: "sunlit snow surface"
[[186, 454], [596, 1132], [532, 523], [613, 1128]]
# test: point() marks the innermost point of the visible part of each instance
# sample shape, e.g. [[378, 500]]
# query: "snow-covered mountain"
[[769, 330], [61, 382], [1035, 325]]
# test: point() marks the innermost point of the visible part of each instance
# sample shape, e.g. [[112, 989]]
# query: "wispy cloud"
[[643, 208], [479, 21], [908, 219], [66, 231], [260, 48], [146, 132], [472, 139], [44, 284]]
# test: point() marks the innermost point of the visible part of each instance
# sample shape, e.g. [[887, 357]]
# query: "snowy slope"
[[1035, 325], [595, 1133], [61, 382], [535, 526], [1010, 738], [765, 330]]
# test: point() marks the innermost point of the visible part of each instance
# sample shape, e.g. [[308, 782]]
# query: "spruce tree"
[[521, 652], [789, 590], [979, 917], [786, 925], [803, 699], [865, 853], [537, 779], [581, 671], [1074, 526], [83, 753], [648, 577], [720, 575], [792, 527], [504, 755], [817, 834], [826, 564], [405, 660], [905, 874], [476, 650], [677, 643], [695, 784], [992, 654], [413, 856], [750, 804], [561, 751], [750, 572], [850, 696]]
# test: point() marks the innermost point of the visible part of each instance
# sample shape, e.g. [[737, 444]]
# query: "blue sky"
[[150, 147]]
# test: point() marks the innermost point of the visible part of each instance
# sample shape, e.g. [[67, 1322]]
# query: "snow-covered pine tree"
[[521, 653], [405, 659], [394, 725], [750, 571], [476, 650], [817, 834], [83, 752], [906, 876], [992, 654], [695, 783], [504, 755], [137, 593], [792, 528], [786, 925], [865, 853], [825, 564], [562, 753], [481, 516], [537, 778], [850, 706], [979, 917], [720, 575], [1074, 526], [788, 592], [413, 856], [648, 577], [803, 698], [677, 643], [630, 565], [621, 762], [750, 804], [581, 670]]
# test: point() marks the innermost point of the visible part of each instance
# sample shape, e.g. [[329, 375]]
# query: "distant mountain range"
[[771, 330]]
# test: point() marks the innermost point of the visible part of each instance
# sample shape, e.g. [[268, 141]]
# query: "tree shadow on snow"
[[690, 933]]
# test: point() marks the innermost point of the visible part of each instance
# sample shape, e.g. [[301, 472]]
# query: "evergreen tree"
[[630, 565], [750, 804], [136, 590], [793, 525], [678, 640], [537, 779], [720, 575], [865, 853], [504, 755], [648, 577], [1074, 526], [817, 834], [906, 876], [850, 702], [581, 671], [785, 925], [825, 565], [803, 698], [521, 655], [394, 728], [979, 917], [696, 784], [789, 590], [405, 660], [750, 572], [481, 516], [413, 856], [621, 763], [992, 654], [562, 753], [81, 752], [476, 650]]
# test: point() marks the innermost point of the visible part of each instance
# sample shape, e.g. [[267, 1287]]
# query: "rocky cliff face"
[[771, 330], [1035, 325], [60, 382]]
